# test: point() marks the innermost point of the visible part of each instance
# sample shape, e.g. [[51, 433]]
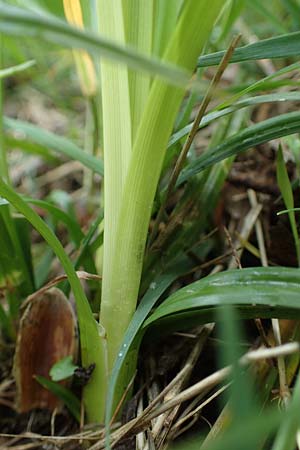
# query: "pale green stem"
[[116, 143], [123, 273]]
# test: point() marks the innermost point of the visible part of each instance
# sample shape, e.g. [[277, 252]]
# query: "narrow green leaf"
[[22, 22], [13, 142], [11, 241], [288, 197], [60, 215], [251, 101], [64, 394], [284, 181], [56, 143], [260, 288], [265, 131], [4, 172], [157, 287], [90, 341], [87, 239], [10, 264], [23, 231], [283, 46], [42, 267], [263, 84]]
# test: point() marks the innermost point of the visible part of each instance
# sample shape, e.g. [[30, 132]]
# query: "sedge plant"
[[137, 122], [138, 115], [138, 112]]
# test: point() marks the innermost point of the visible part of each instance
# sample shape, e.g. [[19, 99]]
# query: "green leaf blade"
[[90, 341], [268, 288], [282, 125], [283, 46], [22, 22], [56, 143], [64, 394]]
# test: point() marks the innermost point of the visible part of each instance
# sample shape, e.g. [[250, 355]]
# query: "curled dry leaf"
[[47, 334]]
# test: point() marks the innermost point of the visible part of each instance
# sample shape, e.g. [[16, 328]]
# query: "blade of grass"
[[155, 291], [282, 125], [232, 11], [22, 22], [56, 143], [91, 348], [283, 46], [64, 394], [288, 197], [269, 288], [9, 223], [87, 239], [72, 226], [18, 250], [263, 84], [13, 142], [248, 102]]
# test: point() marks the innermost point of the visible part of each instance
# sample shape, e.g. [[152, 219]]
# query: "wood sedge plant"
[[137, 123], [138, 115]]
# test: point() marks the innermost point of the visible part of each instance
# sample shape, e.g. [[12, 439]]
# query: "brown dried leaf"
[[47, 334]]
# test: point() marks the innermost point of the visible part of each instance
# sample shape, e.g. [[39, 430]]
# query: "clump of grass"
[[134, 61]]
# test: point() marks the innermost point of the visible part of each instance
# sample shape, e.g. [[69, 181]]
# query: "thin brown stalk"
[[82, 275], [202, 109]]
